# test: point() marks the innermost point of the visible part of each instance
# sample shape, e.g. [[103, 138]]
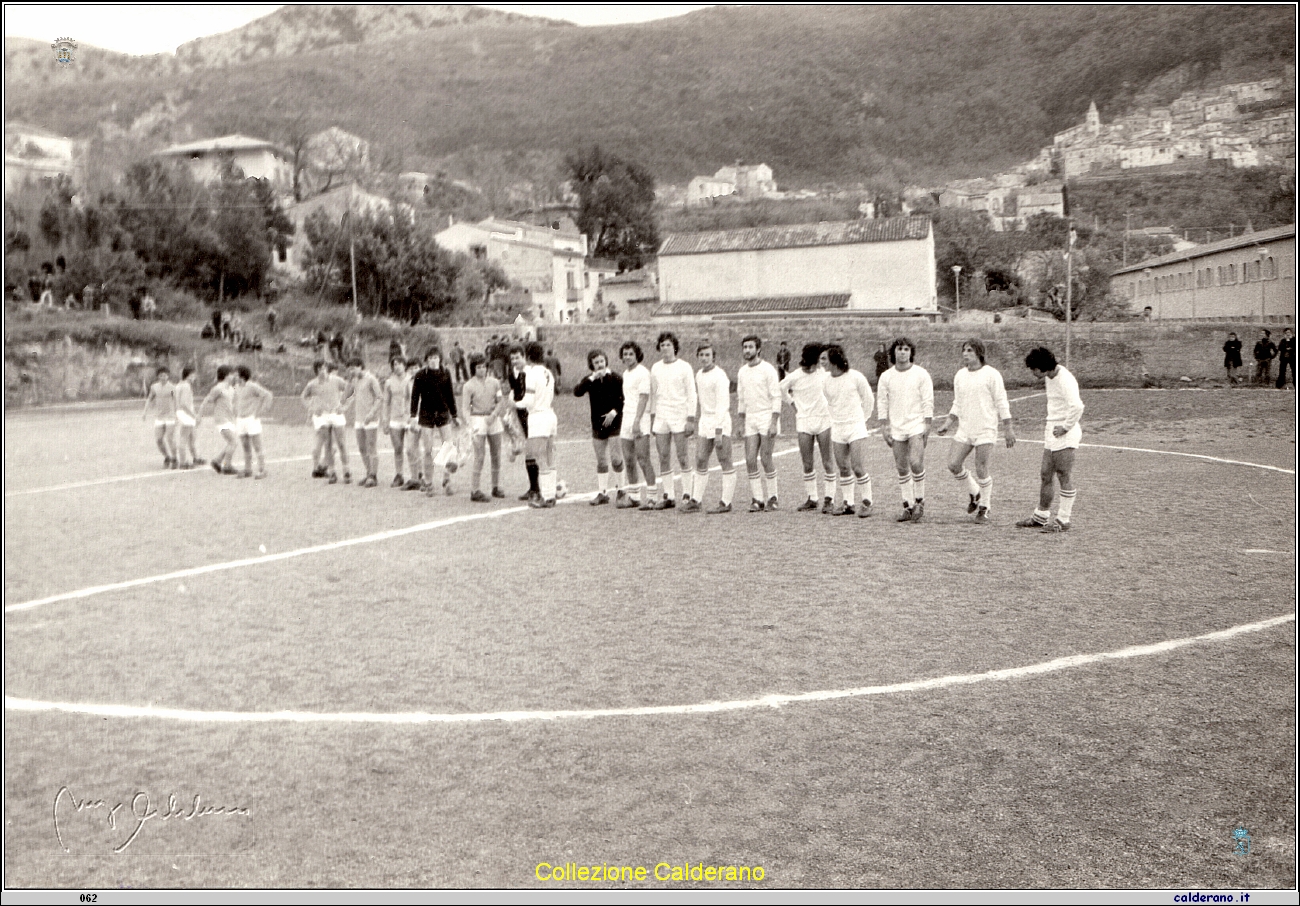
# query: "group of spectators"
[[228, 326], [1265, 352]]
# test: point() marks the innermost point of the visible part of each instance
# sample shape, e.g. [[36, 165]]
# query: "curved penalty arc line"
[[766, 701]]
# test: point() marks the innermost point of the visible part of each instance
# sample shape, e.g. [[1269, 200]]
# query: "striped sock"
[[810, 485], [986, 492], [846, 489], [677, 483], [1041, 516], [864, 489], [918, 484], [1066, 505], [728, 486], [770, 482], [755, 488], [830, 479], [905, 488]]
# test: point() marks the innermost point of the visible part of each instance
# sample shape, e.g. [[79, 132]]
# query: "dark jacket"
[[1232, 354], [606, 394], [1286, 349], [1265, 351], [433, 398]]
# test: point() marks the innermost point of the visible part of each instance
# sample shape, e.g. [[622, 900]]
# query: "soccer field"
[[379, 689]]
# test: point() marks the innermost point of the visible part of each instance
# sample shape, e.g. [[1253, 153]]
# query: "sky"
[[163, 28]]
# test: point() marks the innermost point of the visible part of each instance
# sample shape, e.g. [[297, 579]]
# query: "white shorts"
[[708, 427], [897, 435], [248, 426], [398, 426], [370, 426], [626, 431], [760, 423], [542, 424], [485, 425], [847, 434], [987, 436], [164, 422], [224, 427], [670, 423], [329, 420], [808, 426], [1069, 441], [185, 420]]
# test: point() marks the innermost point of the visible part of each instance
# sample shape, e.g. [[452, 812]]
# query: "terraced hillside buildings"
[[1247, 124]]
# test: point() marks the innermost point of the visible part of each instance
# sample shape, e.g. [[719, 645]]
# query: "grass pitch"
[[1115, 774]]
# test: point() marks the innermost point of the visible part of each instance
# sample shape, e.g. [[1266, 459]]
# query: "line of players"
[[427, 424], [670, 402], [237, 403], [833, 405]]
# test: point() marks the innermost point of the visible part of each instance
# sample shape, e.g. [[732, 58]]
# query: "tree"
[[615, 206]]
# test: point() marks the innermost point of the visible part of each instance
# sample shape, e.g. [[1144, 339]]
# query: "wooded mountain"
[[821, 94]]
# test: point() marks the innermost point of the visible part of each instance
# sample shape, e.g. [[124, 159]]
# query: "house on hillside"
[[703, 189], [33, 153], [336, 203], [1249, 276], [257, 159], [631, 295], [549, 263], [882, 266], [750, 180]]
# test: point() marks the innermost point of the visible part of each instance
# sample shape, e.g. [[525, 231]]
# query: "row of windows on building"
[[1250, 271]]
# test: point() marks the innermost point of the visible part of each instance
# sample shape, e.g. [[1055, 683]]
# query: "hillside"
[[822, 94]]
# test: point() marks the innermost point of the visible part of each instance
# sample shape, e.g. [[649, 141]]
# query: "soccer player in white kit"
[[396, 409], [758, 404], [162, 393], [539, 394], [805, 389], [1061, 439], [713, 432], [905, 404], [849, 401], [672, 414], [979, 401], [635, 433]]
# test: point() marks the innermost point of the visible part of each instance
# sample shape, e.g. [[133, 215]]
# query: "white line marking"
[[161, 473], [300, 552], [1260, 550], [1229, 462], [1021, 399], [268, 558], [775, 700]]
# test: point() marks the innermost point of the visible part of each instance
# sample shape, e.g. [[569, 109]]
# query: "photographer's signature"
[[139, 811]]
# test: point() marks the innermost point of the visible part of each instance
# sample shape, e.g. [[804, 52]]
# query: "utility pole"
[[1128, 219], [1069, 286], [352, 254]]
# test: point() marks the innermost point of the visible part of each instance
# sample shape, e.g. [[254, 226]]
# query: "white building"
[[703, 189], [884, 266], [550, 264], [346, 199], [32, 153], [257, 159]]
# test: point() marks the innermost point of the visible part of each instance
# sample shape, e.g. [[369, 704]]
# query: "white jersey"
[[1064, 405], [806, 391], [979, 400], [714, 391], [539, 388], [849, 398], [674, 389], [904, 400], [758, 391], [636, 384]]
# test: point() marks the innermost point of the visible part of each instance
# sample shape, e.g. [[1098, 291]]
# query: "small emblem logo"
[[63, 49], [1242, 838]]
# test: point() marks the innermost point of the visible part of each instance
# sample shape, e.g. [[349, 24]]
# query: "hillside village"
[[530, 230]]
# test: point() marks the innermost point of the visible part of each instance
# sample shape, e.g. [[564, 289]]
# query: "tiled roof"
[[1223, 245], [742, 306], [801, 235]]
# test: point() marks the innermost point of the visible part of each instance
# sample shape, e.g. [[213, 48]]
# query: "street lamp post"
[[1261, 285], [956, 284]]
